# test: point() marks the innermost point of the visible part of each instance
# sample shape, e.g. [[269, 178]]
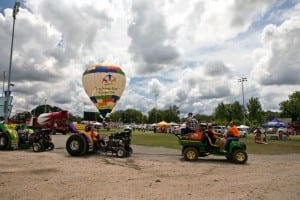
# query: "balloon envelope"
[[104, 84]]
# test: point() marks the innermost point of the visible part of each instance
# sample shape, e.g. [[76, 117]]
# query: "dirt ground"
[[150, 173]]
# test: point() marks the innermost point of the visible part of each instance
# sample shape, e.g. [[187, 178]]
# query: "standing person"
[[232, 134], [191, 125]]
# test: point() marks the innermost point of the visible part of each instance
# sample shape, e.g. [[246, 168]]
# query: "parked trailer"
[[52, 122]]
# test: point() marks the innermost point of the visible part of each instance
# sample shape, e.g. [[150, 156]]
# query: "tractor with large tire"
[[10, 139], [81, 143], [193, 149]]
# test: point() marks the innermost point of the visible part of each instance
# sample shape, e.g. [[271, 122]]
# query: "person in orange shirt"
[[233, 134], [233, 131], [94, 135]]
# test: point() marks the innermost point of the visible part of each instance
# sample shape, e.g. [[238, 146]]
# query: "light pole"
[[45, 108], [4, 77], [156, 95], [7, 94], [242, 80]]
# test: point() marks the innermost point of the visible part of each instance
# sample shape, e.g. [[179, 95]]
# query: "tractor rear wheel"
[[76, 145], [4, 140]]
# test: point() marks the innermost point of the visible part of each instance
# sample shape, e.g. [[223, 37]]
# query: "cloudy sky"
[[189, 53]]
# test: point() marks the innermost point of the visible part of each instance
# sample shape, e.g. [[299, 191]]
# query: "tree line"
[[252, 114]]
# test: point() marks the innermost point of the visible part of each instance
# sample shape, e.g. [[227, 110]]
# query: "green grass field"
[[171, 141]]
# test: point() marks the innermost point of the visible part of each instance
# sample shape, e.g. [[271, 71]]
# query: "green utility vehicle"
[[9, 139], [193, 149]]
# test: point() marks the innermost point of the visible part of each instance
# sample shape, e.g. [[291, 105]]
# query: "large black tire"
[[239, 156], [4, 140], [190, 154], [76, 145]]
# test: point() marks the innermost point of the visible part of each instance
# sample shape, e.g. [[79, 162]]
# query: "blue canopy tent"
[[274, 123]]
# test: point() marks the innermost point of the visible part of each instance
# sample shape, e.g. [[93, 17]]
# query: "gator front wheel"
[[239, 156], [190, 154]]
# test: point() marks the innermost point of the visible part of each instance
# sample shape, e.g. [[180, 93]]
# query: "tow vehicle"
[[81, 143]]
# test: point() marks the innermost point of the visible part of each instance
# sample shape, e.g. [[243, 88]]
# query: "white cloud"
[[189, 52]]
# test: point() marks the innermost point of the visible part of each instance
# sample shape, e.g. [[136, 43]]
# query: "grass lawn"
[[171, 141]]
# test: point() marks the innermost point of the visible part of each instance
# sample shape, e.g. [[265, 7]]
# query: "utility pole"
[[242, 80], [8, 92]]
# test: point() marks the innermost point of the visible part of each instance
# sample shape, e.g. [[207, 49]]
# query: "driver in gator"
[[215, 139]]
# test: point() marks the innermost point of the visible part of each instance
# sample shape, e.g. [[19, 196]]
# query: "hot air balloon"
[[104, 84]]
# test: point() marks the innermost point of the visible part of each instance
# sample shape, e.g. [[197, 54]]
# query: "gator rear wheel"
[[76, 145], [239, 156], [190, 154]]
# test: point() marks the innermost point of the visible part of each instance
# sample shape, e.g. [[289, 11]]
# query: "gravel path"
[[150, 173]]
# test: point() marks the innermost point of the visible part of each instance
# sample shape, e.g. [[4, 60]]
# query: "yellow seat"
[[210, 142]]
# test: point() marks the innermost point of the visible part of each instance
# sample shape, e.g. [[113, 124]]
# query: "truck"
[[52, 122], [296, 127]]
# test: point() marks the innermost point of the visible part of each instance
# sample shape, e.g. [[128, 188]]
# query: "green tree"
[[171, 114], [291, 107], [255, 112], [42, 108], [116, 116], [237, 112], [204, 118], [132, 116], [269, 115], [222, 113]]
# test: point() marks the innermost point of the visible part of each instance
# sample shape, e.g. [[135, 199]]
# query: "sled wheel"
[[36, 147], [76, 145], [120, 152], [190, 154], [239, 156], [53, 131], [51, 146], [129, 151], [4, 140]]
